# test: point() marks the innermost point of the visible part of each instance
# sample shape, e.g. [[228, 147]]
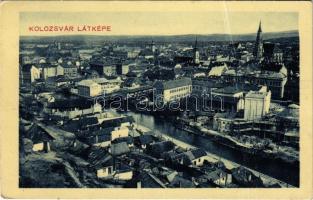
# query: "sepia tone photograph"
[[212, 105]]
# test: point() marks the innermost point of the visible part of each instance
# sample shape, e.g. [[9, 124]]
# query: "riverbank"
[[267, 180], [276, 152]]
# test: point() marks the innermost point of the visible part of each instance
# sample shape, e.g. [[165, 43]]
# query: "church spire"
[[260, 27], [258, 48]]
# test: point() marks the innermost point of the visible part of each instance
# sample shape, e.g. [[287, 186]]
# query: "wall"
[[89, 91], [124, 175], [120, 132], [38, 147], [103, 144], [74, 113], [49, 72], [104, 172], [198, 162], [34, 73], [176, 93], [254, 108]]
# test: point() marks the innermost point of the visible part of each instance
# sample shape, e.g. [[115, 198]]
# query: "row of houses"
[[254, 100], [31, 72]]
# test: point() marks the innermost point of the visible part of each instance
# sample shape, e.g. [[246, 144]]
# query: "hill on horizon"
[[161, 38]]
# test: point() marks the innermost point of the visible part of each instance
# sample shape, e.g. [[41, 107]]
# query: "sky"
[[162, 23]]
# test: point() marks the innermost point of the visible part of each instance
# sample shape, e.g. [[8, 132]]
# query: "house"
[[69, 70], [230, 98], [246, 178], [107, 68], [119, 132], [29, 73], [129, 140], [180, 182], [41, 139], [105, 169], [132, 82], [100, 138], [120, 121], [272, 53], [119, 149], [145, 140], [56, 81], [145, 179], [204, 85], [108, 85], [88, 88], [107, 166], [133, 53], [49, 70], [123, 172], [159, 148], [83, 123], [123, 68], [219, 177], [218, 70], [172, 90], [257, 104], [71, 108], [194, 157], [274, 76], [97, 132]]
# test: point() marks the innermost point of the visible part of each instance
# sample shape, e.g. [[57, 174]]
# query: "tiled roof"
[[70, 104], [217, 71], [146, 139], [38, 134], [128, 140], [176, 83], [161, 147], [86, 83], [119, 149], [256, 94], [198, 153]]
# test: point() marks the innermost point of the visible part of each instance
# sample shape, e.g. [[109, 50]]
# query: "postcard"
[[148, 99]]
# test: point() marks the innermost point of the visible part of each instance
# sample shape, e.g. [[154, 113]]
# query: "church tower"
[[153, 48], [258, 48], [196, 56]]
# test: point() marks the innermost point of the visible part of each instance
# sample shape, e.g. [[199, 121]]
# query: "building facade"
[[257, 104], [88, 88], [172, 90]]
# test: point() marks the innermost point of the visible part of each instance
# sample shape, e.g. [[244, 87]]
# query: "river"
[[279, 170]]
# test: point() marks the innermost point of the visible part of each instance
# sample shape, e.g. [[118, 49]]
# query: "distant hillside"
[[161, 38]]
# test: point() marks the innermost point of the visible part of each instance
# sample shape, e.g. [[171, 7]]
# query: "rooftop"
[[119, 149], [86, 82], [176, 83]]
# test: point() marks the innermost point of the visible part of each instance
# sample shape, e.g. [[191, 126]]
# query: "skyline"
[[162, 23]]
